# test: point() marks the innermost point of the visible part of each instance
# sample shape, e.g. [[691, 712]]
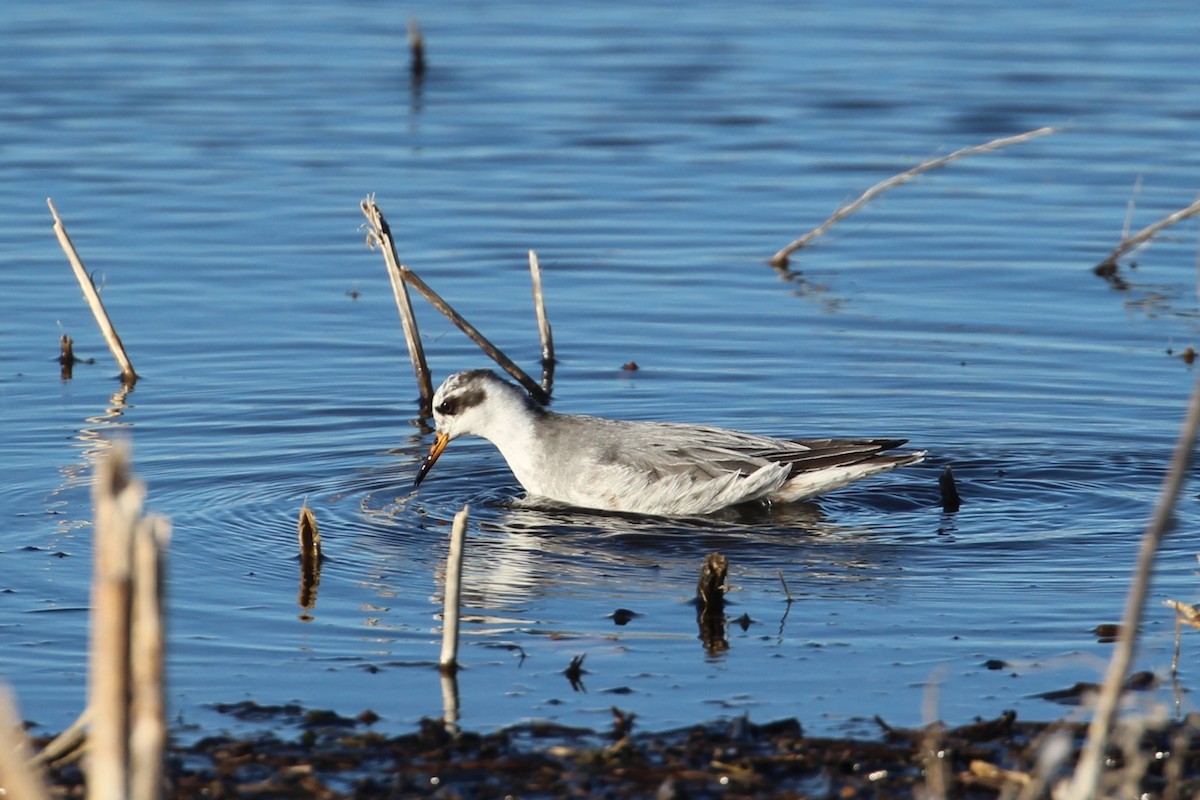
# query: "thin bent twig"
[[1143, 236], [780, 259], [493, 352], [68, 745], [19, 775], [543, 323], [93, 298], [381, 234], [1086, 781]]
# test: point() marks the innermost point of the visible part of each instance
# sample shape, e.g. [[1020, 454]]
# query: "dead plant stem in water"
[[1086, 782], [543, 323], [401, 277], [93, 298], [448, 663], [780, 259], [1143, 236], [381, 234]]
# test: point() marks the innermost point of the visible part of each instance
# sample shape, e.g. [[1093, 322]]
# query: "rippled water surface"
[[209, 162]]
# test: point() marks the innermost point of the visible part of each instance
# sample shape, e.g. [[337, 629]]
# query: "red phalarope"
[[656, 468]]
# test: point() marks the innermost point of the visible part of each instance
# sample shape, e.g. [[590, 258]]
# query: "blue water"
[[209, 161]]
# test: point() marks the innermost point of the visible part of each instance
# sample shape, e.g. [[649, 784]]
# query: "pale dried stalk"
[[1086, 780], [543, 322], [448, 663], [490, 349], [381, 234], [933, 756], [780, 259], [93, 298], [68, 745], [1146, 234], [148, 726], [118, 500], [18, 776]]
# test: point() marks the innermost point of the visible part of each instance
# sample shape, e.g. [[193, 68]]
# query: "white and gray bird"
[[657, 468]]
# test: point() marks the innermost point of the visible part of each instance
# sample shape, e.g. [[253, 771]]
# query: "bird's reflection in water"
[[516, 552]]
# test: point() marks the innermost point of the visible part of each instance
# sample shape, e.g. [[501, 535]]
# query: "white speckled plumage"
[[658, 468]]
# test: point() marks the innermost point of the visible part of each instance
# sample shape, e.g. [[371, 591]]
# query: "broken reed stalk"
[[148, 729], [1086, 780], [1185, 614], [66, 350], [416, 49], [780, 259], [1145, 235], [933, 756], [19, 777], [310, 561], [66, 357], [93, 298], [125, 696], [116, 502], [543, 322], [493, 352], [710, 603], [710, 589], [67, 746], [381, 235], [448, 663], [948, 488]]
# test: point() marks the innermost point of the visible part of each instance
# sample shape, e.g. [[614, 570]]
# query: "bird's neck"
[[515, 436]]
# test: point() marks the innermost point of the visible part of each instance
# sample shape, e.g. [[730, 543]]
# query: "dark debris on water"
[[339, 757]]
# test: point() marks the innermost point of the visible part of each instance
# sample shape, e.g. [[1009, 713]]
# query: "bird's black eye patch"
[[456, 403]]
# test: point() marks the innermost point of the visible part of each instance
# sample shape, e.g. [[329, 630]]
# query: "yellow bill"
[[440, 440]]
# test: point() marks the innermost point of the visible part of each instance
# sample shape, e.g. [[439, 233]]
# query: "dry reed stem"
[[543, 322], [148, 729], [1086, 780], [117, 500], [951, 500], [1145, 235], [66, 350], [493, 352], [310, 561], [93, 298], [67, 746], [19, 777], [710, 603], [933, 755], [710, 588], [1185, 614], [448, 663], [309, 536], [786, 591], [416, 49], [780, 259], [381, 234]]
